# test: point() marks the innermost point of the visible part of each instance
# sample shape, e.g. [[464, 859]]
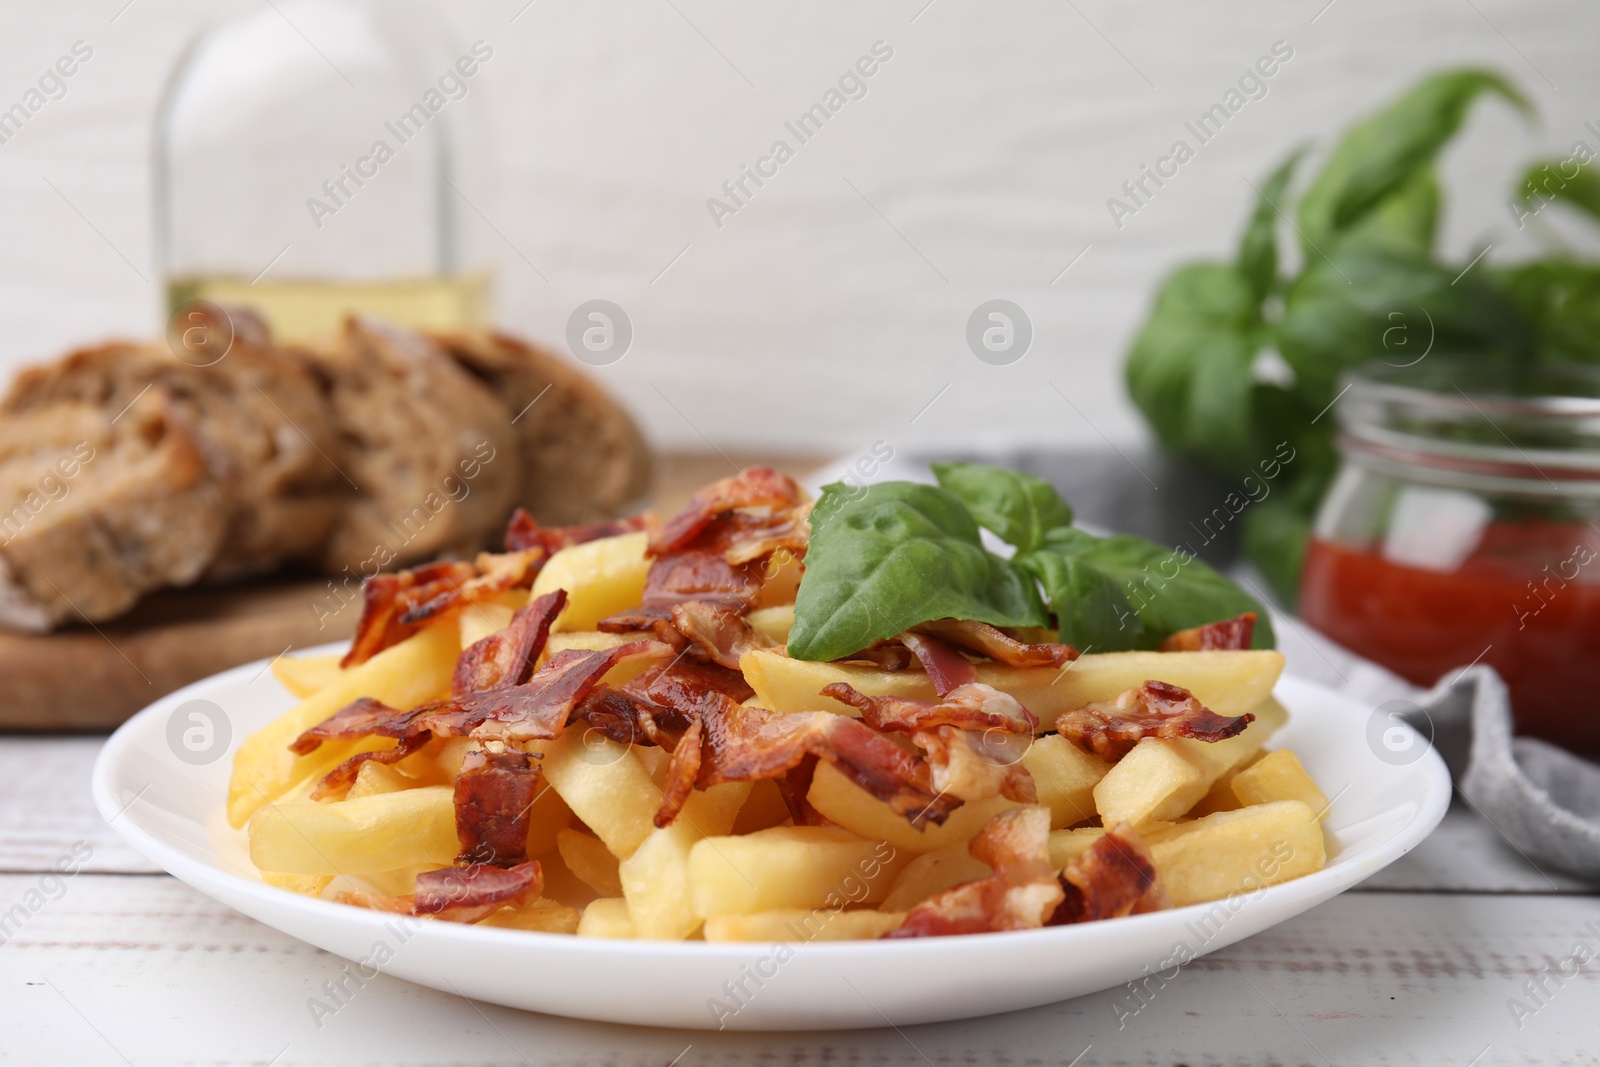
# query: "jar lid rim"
[[1479, 385]]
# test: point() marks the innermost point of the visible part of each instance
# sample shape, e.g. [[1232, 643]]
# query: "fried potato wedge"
[[803, 924], [606, 917], [305, 676], [790, 867], [601, 577], [655, 877], [605, 785], [1278, 776], [381, 832], [848, 805], [415, 670], [1235, 852], [1229, 683]]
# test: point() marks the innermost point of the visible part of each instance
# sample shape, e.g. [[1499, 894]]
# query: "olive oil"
[[300, 308]]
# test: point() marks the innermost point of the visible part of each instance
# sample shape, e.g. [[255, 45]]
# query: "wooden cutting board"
[[94, 677]]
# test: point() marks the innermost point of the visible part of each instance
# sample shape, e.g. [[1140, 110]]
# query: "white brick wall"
[[990, 142]]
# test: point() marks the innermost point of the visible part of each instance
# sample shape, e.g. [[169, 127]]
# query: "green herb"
[[1121, 592], [1018, 507], [1369, 287], [898, 554]]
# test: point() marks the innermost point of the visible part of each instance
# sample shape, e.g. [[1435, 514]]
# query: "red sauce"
[[1527, 600]]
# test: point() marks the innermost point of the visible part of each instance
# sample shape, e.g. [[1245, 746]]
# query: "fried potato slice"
[[381, 832], [1064, 776], [543, 915], [415, 670], [590, 861], [1235, 852], [1278, 776], [848, 805], [305, 676], [1162, 778], [655, 877], [606, 917], [803, 924], [773, 623], [1229, 683], [601, 577], [801, 867], [605, 785]]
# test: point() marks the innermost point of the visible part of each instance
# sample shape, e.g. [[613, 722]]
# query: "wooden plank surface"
[[146, 971]]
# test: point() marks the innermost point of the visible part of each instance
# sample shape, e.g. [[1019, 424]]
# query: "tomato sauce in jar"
[[1464, 527]]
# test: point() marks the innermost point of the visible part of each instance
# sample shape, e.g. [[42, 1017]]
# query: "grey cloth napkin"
[[1541, 797]]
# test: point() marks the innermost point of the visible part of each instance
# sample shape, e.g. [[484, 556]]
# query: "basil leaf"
[[895, 555], [1371, 303], [1190, 368], [1258, 248], [1581, 190], [1016, 506], [1119, 593], [1562, 300], [1379, 155], [1404, 221]]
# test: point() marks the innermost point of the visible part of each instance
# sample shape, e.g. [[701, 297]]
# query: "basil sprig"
[[898, 554]]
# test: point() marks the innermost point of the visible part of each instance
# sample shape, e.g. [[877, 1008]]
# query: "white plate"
[[171, 811]]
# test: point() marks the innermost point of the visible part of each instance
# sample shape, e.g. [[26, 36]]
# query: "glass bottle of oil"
[[315, 157]]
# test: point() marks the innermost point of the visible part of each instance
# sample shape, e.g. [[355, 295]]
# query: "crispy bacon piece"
[[386, 598], [744, 744], [682, 772], [495, 792], [884, 655], [720, 634], [1115, 877], [1229, 634], [976, 766], [524, 532], [995, 643], [946, 668], [459, 894], [508, 657], [974, 706], [338, 781], [1021, 894], [1156, 709], [766, 503], [538, 709]]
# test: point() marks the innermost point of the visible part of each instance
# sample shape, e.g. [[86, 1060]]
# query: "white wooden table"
[[122, 964]]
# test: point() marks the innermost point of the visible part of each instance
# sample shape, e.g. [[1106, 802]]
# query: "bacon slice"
[[338, 781], [974, 706], [995, 643], [524, 532], [538, 709], [494, 795], [1021, 894], [1115, 877], [1156, 709], [976, 766], [459, 894], [721, 635], [508, 657], [946, 668], [743, 744], [1229, 634], [761, 494]]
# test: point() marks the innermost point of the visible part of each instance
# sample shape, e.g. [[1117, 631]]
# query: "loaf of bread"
[[124, 469]]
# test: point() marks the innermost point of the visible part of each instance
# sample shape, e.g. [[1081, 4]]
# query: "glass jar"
[[1464, 527], [310, 160]]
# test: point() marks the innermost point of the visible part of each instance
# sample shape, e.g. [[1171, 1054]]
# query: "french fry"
[[765, 808], [543, 915], [655, 878], [773, 623], [781, 580], [403, 676], [589, 859], [381, 832], [601, 577], [605, 785], [1278, 776], [307, 885], [304, 676], [606, 917], [952, 865], [1065, 776], [375, 777], [802, 924], [1229, 683], [485, 617], [790, 867], [848, 805], [1235, 852], [1162, 778], [1218, 798], [547, 819]]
